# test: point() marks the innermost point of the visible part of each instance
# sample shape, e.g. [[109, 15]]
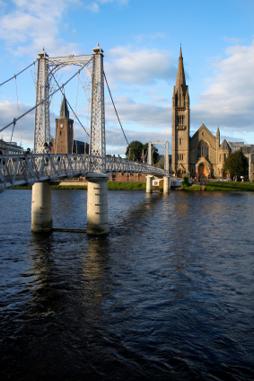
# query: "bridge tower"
[[97, 197], [41, 219], [42, 126]]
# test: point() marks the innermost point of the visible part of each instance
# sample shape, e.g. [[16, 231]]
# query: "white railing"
[[30, 168]]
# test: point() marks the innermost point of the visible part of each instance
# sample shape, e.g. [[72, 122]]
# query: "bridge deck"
[[30, 168]]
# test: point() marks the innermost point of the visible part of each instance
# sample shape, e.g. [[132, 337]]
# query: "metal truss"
[[61, 61], [31, 168], [42, 123], [125, 166], [27, 169], [97, 134], [47, 66]]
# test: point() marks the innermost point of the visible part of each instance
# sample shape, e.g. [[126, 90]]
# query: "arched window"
[[203, 149]]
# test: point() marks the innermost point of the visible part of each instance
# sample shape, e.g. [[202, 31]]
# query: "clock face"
[[61, 125]]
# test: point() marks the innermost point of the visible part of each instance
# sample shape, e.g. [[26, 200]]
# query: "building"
[[12, 148], [80, 147], [202, 155], [180, 123], [63, 142]]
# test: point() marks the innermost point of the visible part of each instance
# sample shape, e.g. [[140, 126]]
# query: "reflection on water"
[[167, 295]]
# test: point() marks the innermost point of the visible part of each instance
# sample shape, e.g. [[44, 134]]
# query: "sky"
[[141, 40]]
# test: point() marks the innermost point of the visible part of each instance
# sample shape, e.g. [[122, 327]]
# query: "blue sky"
[[141, 43]]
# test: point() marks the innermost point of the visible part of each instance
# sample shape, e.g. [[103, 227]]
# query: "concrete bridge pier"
[[149, 183], [166, 183], [97, 204], [41, 216]]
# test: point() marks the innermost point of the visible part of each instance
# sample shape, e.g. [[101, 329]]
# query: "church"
[[203, 154]]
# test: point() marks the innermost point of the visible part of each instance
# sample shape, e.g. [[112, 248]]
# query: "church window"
[[180, 141], [203, 149], [180, 120], [180, 156]]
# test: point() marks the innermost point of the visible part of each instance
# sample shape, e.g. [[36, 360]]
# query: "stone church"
[[202, 155], [63, 142]]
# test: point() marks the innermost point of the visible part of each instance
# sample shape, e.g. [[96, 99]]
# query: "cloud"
[[228, 101], [140, 114], [95, 6], [139, 66], [149, 37], [24, 129], [116, 143], [32, 25]]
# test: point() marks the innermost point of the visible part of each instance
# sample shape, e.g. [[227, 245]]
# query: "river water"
[[169, 295]]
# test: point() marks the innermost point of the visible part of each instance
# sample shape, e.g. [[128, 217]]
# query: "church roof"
[[225, 145], [64, 112], [180, 78], [202, 127]]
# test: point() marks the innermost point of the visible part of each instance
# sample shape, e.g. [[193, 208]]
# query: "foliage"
[[186, 182], [136, 151], [222, 186], [155, 153], [236, 165], [118, 185]]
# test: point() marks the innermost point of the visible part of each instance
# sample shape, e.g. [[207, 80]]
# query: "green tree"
[[134, 151], [155, 153], [137, 151], [236, 165]]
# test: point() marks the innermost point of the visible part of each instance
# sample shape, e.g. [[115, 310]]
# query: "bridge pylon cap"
[[98, 49], [42, 54]]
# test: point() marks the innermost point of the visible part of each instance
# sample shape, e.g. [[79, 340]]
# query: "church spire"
[[64, 112], [180, 78]]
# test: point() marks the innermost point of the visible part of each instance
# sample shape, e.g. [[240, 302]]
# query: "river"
[[168, 295]]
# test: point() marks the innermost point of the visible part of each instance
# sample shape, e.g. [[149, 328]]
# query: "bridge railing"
[[30, 168], [22, 169], [114, 164]]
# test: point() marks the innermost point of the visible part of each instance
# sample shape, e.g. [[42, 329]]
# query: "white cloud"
[[32, 25], [139, 66], [137, 113], [229, 99], [116, 143], [149, 37], [95, 6], [24, 129]]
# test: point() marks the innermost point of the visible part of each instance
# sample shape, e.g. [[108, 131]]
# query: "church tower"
[[180, 123], [64, 131]]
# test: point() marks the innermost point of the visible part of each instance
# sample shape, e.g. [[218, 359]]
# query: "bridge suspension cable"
[[17, 74], [15, 120], [117, 115], [74, 113]]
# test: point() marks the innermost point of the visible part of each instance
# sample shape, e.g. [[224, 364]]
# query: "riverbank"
[[221, 186]]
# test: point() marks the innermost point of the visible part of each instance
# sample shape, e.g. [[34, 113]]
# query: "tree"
[[155, 153], [236, 165], [134, 151], [137, 151]]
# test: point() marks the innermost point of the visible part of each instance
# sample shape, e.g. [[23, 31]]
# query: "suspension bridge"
[[40, 166]]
